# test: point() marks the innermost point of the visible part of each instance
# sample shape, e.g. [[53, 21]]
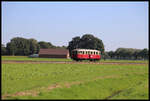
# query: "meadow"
[[74, 81], [26, 58]]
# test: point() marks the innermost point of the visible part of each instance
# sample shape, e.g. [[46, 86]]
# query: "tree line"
[[128, 54], [23, 47]]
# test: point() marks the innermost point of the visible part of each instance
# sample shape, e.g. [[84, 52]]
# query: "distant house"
[[54, 53]]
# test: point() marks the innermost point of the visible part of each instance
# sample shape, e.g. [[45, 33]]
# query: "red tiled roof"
[[54, 51]]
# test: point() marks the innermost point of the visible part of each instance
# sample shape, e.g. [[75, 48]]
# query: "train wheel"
[[77, 60]]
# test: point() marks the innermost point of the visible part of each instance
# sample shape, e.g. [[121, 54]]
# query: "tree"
[[64, 47], [144, 53], [136, 54], [87, 41], [119, 53], [3, 50], [22, 46], [11, 48], [45, 45], [111, 54], [60, 47], [74, 44], [34, 46], [105, 56], [130, 53], [18, 46]]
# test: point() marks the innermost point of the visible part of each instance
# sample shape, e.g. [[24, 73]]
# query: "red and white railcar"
[[85, 54]]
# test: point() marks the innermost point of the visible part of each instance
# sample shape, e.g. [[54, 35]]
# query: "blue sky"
[[117, 24]]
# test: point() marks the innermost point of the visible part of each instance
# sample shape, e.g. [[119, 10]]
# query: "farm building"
[[54, 53]]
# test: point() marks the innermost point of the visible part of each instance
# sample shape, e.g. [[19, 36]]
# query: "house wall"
[[68, 56]]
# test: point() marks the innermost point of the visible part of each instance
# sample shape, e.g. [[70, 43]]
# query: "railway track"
[[67, 62]]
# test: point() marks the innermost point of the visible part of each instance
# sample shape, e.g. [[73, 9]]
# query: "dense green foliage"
[[34, 46], [99, 81], [24, 47], [3, 50], [45, 45], [128, 53], [87, 41]]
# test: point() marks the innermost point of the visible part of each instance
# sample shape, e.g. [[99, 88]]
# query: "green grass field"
[[25, 58], [75, 81]]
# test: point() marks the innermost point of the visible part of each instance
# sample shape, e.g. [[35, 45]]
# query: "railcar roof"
[[85, 50]]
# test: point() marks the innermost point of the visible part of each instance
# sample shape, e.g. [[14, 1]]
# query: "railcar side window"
[[83, 52]]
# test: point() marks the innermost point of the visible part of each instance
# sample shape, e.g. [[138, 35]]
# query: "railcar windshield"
[[74, 52]]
